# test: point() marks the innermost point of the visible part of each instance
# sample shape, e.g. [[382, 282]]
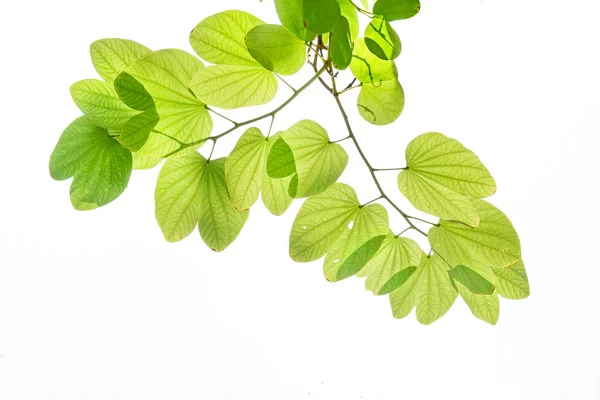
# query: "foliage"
[[155, 105]]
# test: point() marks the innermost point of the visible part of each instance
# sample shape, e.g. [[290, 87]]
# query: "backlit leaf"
[[393, 10], [404, 299], [471, 280], [290, 15], [368, 68], [512, 282], [349, 12], [341, 45], [320, 16], [141, 161], [485, 307], [276, 49], [111, 56], [280, 162], [435, 293], [274, 191], [381, 104], [382, 40]]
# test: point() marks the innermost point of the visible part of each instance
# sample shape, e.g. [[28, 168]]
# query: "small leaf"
[[368, 68], [276, 49], [111, 56], [512, 282], [393, 10], [234, 86], [219, 39], [341, 45], [349, 12], [471, 280], [404, 299], [382, 40], [99, 165], [320, 16], [274, 191], [485, 307], [280, 162], [320, 222], [435, 293], [381, 104]]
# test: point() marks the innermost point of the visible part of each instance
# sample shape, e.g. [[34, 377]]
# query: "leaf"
[[512, 282], [368, 68], [365, 4], [471, 280], [99, 165], [141, 161], [393, 10], [382, 40], [280, 161], [320, 222], [99, 102], [219, 39], [111, 56], [341, 45], [290, 15], [392, 265], [158, 85], [435, 199], [447, 162], [276, 49], [435, 293], [381, 104], [485, 307], [178, 195], [234, 86], [349, 12], [219, 222], [274, 191], [320, 16], [404, 299]]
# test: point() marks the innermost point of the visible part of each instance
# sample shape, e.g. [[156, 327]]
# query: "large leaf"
[[392, 265], [357, 244], [290, 15], [276, 49], [512, 282], [99, 102], [219, 222], [158, 85], [381, 104], [320, 16], [320, 222], [382, 40], [111, 56], [233, 86], [274, 191], [485, 307], [99, 165], [393, 10], [341, 45], [219, 39], [368, 68], [142, 161]]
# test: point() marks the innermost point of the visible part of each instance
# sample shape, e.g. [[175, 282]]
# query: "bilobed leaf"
[[341, 45], [393, 10], [486, 307], [111, 56], [382, 40], [142, 161], [381, 104], [99, 165], [219, 39], [219, 222], [276, 49], [234, 86], [99, 102], [368, 68], [290, 15], [178, 195], [392, 265], [274, 191], [320, 222], [434, 293], [320, 16], [512, 282], [357, 244], [471, 280]]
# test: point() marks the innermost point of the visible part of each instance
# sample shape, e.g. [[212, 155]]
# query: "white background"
[[97, 305]]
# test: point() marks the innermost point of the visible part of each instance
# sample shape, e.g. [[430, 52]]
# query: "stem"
[[221, 115], [212, 150], [388, 169], [287, 84], [349, 89], [362, 10]]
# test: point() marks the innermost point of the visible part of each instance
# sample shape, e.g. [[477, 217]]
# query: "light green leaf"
[[349, 12], [111, 56], [320, 222], [274, 191], [393, 10], [435, 199], [485, 307], [357, 244], [320, 16], [341, 45], [219, 39], [100, 166], [276, 49], [365, 4], [158, 85], [471, 280], [233, 86], [178, 195], [447, 162], [141, 161], [512, 282], [435, 293], [280, 162], [382, 40], [368, 68], [381, 104], [219, 222], [392, 265], [290, 15], [99, 102], [404, 298]]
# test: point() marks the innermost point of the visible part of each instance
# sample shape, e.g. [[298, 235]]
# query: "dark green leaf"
[[392, 10], [321, 16], [341, 45], [382, 40]]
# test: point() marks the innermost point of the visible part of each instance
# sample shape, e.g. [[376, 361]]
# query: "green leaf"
[[158, 85], [99, 102], [393, 264], [234, 86], [404, 298], [219, 222], [365, 4], [178, 195], [471, 280], [111, 56], [349, 12], [290, 15], [368, 68], [393, 10], [280, 162], [320, 222], [382, 40], [274, 191], [512, 282], [219, 39], [276, 49], [381, 104], [100, 166], [142, 161], [341, 45], [447, 162], [359, 242], [320, 16], [485, 307], [435, 199]]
